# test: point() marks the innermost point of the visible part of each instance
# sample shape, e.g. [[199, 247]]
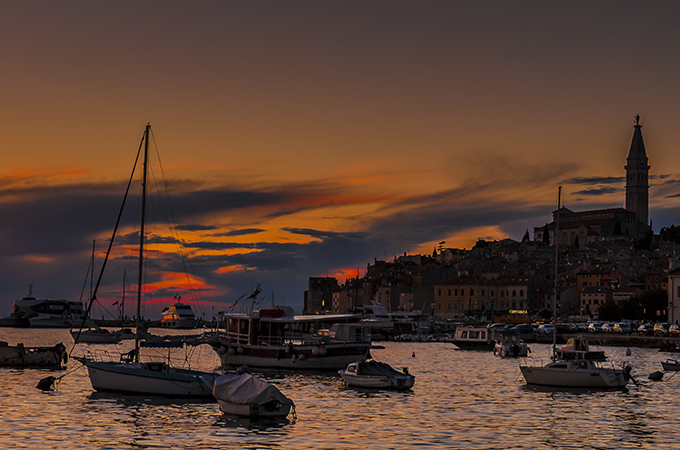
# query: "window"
[[462, 292], [439, 306], [521, 292], [448, 306], [482, 292], [449, 292], [439, 292], [472, 292]]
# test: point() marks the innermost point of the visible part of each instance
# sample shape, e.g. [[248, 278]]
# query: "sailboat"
[[129, 375], [574, 365]]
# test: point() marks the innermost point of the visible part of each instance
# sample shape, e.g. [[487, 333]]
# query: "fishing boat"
[[474, 338], [573, 366], [511, 346], [247, 396], [376, 375], [277, 338], [179, 316], [671, 365], [129, 375], [19, 356]]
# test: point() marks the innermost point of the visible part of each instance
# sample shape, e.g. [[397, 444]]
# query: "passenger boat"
[[130, 375], [511, 346], [18, 356], [671, 365], [474, 338], [179, 315], [377, 375], [35, 312], [247, 396], [276, 338]]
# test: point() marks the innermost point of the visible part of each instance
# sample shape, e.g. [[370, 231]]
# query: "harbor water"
[[461, 399]]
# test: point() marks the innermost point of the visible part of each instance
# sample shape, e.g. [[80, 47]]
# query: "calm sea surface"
[[460, 400]]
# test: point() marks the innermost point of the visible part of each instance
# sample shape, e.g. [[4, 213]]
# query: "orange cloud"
[[42, 259]]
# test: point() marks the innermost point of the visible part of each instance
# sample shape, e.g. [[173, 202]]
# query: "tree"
[[654, 305], [646, 242], [546, 235], [609, 311], [526, 236], [670, 234]]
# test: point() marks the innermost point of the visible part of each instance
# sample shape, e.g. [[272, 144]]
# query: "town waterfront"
[[470, 400]]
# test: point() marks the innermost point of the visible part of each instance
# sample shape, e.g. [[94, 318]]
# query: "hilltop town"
[[611, 266]]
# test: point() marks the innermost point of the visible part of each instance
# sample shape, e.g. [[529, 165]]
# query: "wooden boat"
[[19, 356], [276, 338], [474, 338], [376, 375], [130, 375], [247, 396], [671, 365]]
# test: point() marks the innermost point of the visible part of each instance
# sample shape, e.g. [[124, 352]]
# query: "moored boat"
[[247, 396], [377, 375], [179, 316], [35, 312], [275, 338], [671, 365], [474, 338], [19, 356], [511, 346]]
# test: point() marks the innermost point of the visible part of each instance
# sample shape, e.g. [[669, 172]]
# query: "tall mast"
[[557, 252], [141, 242]]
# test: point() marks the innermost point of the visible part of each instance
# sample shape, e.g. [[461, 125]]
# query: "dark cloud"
[[597, 191], [595, 180], [243, 232], [195, 227]]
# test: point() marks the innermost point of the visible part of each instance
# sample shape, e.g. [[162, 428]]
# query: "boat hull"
[[278, 411], [135, 379], [378, 382], [474, 345], [308, 357], [574, 378], [33, 357], [671, 365]]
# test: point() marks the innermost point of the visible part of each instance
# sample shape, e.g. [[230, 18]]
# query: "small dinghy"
[[247, 396], [671, 364], [377, 375]]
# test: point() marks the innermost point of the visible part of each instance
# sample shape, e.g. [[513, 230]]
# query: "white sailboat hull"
[[571, 377], [142, 379], [378, 382]]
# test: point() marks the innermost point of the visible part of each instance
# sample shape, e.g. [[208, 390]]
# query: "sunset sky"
[[306, 138]]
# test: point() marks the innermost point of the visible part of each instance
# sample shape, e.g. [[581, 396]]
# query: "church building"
[[577, 228]]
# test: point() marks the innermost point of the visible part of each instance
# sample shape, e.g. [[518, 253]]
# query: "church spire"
[[637, 176]]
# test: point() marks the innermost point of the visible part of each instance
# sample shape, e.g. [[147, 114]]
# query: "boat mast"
[[557, 246], [141, 243]]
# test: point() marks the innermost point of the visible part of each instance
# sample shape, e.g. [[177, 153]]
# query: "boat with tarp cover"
[[245, 395]]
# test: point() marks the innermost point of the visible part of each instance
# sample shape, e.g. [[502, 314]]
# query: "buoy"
[[239, 349], [222, 350], [628, 351], [413, 355], [323, 351], [315, 351], [301, 357], [232, 351]]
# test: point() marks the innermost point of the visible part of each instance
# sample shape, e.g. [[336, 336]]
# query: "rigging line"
[[108, 251], [173, 219]]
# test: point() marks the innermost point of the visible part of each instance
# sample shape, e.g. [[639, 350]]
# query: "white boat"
[[35, 312], [247, 396], [179, 315], [376, 375], [511, 346], [474, 338], [275, 338], [19, 356], [130, 375], [671, 365], [96, 335], [574, 365]]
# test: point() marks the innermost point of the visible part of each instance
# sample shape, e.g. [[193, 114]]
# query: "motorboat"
[[19, 356], [671, 365], [245, 395], [130, 375], [277, 338], [376, 375], [511, 346], [474, 338], [179, 315]]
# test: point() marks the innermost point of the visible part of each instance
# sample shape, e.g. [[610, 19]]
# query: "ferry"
[[35, 312]]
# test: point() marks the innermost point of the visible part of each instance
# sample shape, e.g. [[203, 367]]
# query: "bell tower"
[[637, 176]]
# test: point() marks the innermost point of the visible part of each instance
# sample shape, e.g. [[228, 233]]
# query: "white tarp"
[[247, 390]]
